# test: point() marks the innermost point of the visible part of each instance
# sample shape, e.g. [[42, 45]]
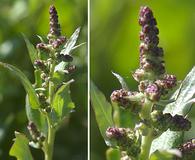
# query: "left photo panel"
[[43, 80]]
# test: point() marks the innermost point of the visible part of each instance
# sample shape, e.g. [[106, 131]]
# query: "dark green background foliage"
[[115, 46], [31, 17]]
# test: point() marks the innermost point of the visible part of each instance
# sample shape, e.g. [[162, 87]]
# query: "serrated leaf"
[[184, 100], [33, 99], [35, 116], [121, 80], [103, 111], [31, 49], [113, 154], [71, 42], [20, 148], [165, 154], [62, 102]]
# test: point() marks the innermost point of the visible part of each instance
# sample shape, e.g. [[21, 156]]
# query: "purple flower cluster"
[[151, 56], [55, 29]]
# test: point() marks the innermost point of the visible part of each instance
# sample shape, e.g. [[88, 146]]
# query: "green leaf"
[[184, 99], [35, 116], [20, 148], [62, 102], [31, 49], [113, 154], [121, 80], [165, 154], [69, 46], [103, 111], [33, 99], [124, 118], [185, 95]]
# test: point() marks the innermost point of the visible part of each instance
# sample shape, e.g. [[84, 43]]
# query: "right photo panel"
[[142, 80]]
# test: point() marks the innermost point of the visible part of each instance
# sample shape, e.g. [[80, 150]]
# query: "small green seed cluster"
[[162, 122], [126, 139], [36, 135]]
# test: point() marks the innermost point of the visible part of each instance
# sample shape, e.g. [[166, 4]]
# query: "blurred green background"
[[31, 18], [115, 46]]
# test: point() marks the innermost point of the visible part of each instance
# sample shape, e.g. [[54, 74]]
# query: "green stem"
[[50, 141], [146, 145], [49, 144], [146, 140]]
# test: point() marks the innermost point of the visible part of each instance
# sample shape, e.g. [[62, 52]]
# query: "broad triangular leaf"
[[103, 111], [62, 102], [31, 49], [184, 99], [33, 99], [35, 116], [186, 92], [20, 148]]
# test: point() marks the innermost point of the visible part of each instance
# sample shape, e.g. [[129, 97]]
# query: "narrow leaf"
[[62, 102], [121, 80], [20, 148], [35, 116], [31, 49], [33, 99], [103, 111]]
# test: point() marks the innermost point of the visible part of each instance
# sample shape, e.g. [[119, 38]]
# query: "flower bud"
[[153, 92], [167, 82], [39, 64], [120, 97], [187, 149], [43, 47], [127, 100], [126, 139], [115, 133], [70, 68], [55, 30], [58, 42]]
